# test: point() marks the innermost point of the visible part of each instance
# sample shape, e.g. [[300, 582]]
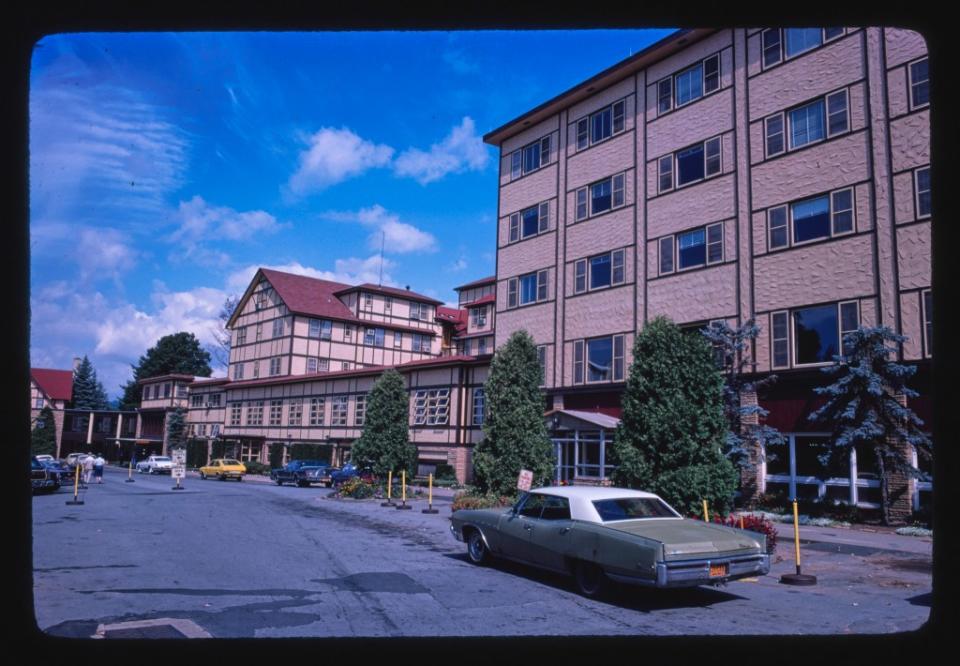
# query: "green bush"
[[356, 488], [444, 473], [256, 467]]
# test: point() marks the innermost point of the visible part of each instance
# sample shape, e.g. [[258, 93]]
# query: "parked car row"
[[305, 473], [42, 479]]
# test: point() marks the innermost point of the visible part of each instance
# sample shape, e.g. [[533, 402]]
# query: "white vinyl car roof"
[[582, 497]]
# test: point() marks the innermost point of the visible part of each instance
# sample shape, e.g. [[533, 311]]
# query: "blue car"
[[349, 471], [302, 473]]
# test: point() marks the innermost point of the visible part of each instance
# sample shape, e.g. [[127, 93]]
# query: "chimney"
[[408, 287], [76, 363]]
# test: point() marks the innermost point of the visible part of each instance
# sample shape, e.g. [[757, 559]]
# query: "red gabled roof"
[[57, 384], [390, 291], [455, 316], [483, 300], [477, 283], [310, 296]]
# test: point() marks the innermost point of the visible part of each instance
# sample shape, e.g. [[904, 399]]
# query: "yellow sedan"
[[223, 469]]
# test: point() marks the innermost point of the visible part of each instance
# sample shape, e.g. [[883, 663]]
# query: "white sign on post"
[[178, 472], [179, 456], [525, 480]]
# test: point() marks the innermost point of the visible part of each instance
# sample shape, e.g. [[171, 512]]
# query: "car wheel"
[[221, 477], [590, 579], [239, 478], [203, 477], [278, 482], [477, 549]]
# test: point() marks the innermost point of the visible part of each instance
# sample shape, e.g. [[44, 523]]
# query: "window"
[[711, 74], [38, 403], [664, 95], [798, 40], [812, 219], [274, 366], [235, 411], [530, 222], [420, 343], [368, 301], [238, 371], [601, 125], [320, 328], [482, 346], [604, 270], [530, 158], [255, 413], [323, 365], [478, 401], [260, 300], [196, 401], [374, 337], [849, 321], [295, 412], [256, 369], [348, 332], [387, 303], [919, 84], [431, 407], [215, 430], [531, 288], [317, 406], [213, 400], [692, 249], [276, 412], [838, 120], [479, 316], [774, 135], [397, 339], [791, 42], [806, 124], [603, 359], [542, 362], [312, 364], [714, 243], [922, 186], [818, 331], [781, 343], [278, 328], [771, 47], [345, 365], [242, 335], [555, 508], [928, 322], [259, 332], [697, 162], [777, 223], [841, 211], [338, 411], [665, 171], [604, 195], [419, 311], [466, 347], [689, 85], [201, 429], [166, 390], [360, 410], [666, 255]]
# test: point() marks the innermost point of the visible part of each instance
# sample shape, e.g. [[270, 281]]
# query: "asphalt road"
[[251, 559]]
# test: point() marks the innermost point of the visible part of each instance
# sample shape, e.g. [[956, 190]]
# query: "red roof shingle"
[[391, 291], [57, 384]]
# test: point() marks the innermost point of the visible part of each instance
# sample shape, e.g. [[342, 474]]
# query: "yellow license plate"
[[718, 570]]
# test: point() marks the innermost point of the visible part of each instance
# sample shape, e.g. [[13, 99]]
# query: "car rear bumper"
[[690, 573]]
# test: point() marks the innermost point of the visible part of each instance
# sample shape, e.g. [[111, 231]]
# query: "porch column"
[[603, 450], [899, 484], [90, 429], [209, 450], [793, 467], [853, 477], [751, 472]]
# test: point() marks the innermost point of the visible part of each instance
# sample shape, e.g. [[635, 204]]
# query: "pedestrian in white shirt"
[[87, 468]]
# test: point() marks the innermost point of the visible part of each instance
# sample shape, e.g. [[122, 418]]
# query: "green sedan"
[[602, 535]]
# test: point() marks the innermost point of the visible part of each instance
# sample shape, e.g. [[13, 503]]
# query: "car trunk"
[[689, 539]]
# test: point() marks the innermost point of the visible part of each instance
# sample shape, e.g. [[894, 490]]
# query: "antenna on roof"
[[383, 238]]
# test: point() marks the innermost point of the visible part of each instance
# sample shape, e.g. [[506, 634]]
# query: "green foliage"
[[177, 428], [385, 443], [43, 437], [276, 455], [301, 451], [254, 467], [862, 408], [196, 453], [356, 489], [88, 392], [179, 353], [471, 499], [514, 433], [673, 426]]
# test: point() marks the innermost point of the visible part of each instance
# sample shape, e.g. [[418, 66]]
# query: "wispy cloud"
[[334, 155], [201, 225], [348, 271], [461, 150], [390, 233]]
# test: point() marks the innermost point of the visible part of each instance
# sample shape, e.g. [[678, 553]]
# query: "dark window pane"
[[923, 192], [531, 222], [666, 255], [811, 219], [919, 83], [600, 126], [600, 271], [533, 506], [815, 334], [599, 359], [690, 165], [771, 47], [600, 195], [775, 135], [712, 148], [528, 289], [830, 33], [690, 85], [580, 276], [618, 116], [665, 94], [582, 135], [531, 157], [799, 40], [837, 112], [711, 74], [692, 248], [515, 163], [842, 211], [666, 173], [778, 227], [806, 124], [814, 459]]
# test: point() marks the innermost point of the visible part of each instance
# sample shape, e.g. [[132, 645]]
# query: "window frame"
[[837, 305], [541, 289], [703, 145], [278, 327], [832, 212], [587, 194], [910, 84], [518, 166], [479, 405], [673, 103], [926, 321], [822, 102], [275, 363], [781, 45], [339, 410], [583, 126], [586, 266], [919, 214], [617, 367], [674, 240]]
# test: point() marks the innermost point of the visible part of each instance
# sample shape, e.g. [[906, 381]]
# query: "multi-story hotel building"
[[781, 175], [775, 174]]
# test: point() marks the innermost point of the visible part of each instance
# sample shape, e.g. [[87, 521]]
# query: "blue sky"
[[166, 167]]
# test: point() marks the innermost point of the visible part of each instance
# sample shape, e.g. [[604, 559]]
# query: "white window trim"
[[543, 162], [826, 112], [588, 119], [910, 104], [790, 222], [773, 340], [916, 194], [706, 177], [588, 273], [792, 337], [613, 359], [783, 134], [672, 78], [789, 124], [613, 206], [675, 244], [927, 351]]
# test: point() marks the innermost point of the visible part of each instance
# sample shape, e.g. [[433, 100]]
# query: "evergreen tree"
[[88, 392], [862, 408], [673, 428], [731, 348], [43, 437], [514, 433], [221, 350], [179, 353], [177, 429], [385, 443]]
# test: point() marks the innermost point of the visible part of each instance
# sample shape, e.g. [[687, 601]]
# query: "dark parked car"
[[63, 473], [302, 473], [42, 479], [349, 471]]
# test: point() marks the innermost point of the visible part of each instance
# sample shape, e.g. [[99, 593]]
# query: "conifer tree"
[[385, 443], [179, 353], [672, 431], [88, 392], [177, 429], [862, 408], [514, 433], [43, 437]]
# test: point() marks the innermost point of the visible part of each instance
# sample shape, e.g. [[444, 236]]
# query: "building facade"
[[775, 174]]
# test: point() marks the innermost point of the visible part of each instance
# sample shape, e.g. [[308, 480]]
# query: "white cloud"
[[104, 253], [394, 236], [333, 156], [200, 222], [461, 150], [348, 271]]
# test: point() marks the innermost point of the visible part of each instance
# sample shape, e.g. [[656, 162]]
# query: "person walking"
[[87, 468], [98, 464]]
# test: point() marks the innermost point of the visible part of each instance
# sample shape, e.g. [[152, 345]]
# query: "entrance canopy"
[[580, 440], [570, 419]]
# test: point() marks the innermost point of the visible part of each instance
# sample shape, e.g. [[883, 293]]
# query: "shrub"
[[444, 473], [474, 500], [254, 467]]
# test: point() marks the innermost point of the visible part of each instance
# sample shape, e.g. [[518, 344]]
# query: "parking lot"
[[251, 559]]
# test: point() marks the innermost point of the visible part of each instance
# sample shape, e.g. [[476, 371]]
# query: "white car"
[[43, 457], [155, 465]]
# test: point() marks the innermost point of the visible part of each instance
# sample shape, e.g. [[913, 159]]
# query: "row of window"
[[212, 400], [601, 125], [313, 365], [376, 337], [823, 216], [527, 289], [691, 249], [689, 165], [598, 360], [529, 222], [691, 84], [481, 346], [532, 157], [815, 121], [200, 430], [781, 44], [816, 333], [153, 391], [478, 316], [597, 272]]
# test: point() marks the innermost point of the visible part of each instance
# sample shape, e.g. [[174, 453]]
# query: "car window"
[[161, 459], [533, 506], [556, 508], [632, 508], [230, 462]]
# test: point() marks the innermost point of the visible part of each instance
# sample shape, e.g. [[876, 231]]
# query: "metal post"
[[130, 469], [793, 467], [403, 486], [429, 508], [706, 514], [76, 487], [389, 501], [797, 578], [853, 477]]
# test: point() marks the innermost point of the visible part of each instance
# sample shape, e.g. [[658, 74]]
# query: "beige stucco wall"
[[914, 253], [708, 293]]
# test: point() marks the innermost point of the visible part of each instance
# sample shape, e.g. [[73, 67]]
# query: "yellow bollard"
[[403, 490], [389, 501], [796, 534], [797, 578], [76, 488], [130, 472], [429, 508], [741, 522], [706, 515]]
